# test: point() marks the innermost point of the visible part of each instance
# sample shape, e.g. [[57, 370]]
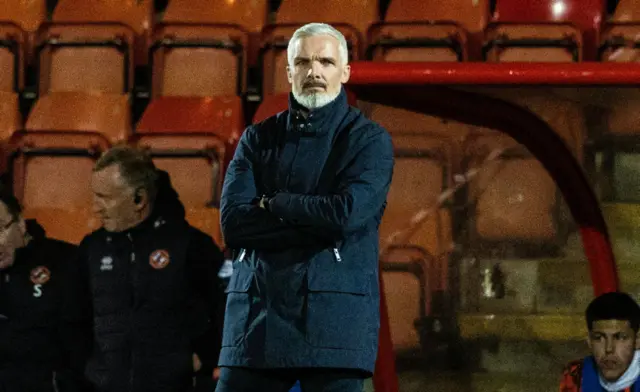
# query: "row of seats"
[[204, 47]]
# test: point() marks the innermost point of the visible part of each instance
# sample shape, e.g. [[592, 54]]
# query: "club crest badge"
[[40, 275], [159, 259]]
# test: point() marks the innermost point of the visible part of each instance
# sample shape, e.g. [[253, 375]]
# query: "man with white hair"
[[301, 204]]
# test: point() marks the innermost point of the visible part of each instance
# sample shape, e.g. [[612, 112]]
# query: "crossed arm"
[[295, 220]]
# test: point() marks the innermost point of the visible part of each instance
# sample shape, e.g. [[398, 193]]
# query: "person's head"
[[318, 64], [13, 229], [613, 320], [124, 187]]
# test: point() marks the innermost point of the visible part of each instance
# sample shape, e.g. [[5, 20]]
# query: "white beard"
[[315, 100]]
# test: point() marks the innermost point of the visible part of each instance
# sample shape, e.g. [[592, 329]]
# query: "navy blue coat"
[[304, 291]]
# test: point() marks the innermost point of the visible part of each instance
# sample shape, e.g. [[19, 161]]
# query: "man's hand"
[[264, 203], [197, 365]]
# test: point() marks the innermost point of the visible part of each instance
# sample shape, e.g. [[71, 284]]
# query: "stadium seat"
[[193, 139], [28, 15], [107, 114], [137, 14], [13, 41], [350, 17], [85, 57], [10, 118], [270, 106], [207, 220], [415, 30], [404, 288], [250, 15], [506, 42], [519, 25], [193, 160], [198, 60], [516, 201], [51, 175]]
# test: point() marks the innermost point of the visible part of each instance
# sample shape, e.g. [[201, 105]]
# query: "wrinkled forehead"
[[317, 46], [611, 326]]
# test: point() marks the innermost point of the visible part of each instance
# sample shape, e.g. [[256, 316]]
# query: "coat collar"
[[317, 121]]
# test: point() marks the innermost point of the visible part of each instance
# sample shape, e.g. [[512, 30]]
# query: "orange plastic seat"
[[533, 43], [26, 14], [621, 34], [107, 114], [207, 220], [404, 288], [192, 139], [51, 173], [69, 224], [13, 41], [88, 58], [199, 60], [415, 30], [515, 199], [194, 162], [137, 14], [250, 15], [10, 118], [358, 13], [270, 106]]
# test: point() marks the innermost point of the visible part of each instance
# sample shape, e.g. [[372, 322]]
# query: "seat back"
[[535, 42], [10, 117], [449, 31], [193, 161], [137, 14], [199, 60], [85, 57], [28, 14], [516, 200], [107, 114], [358, 13], [51, 174], [13, 41], [206, 219], [250, 15], [585, 15]]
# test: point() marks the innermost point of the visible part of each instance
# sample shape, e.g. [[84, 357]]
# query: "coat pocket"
[[238, 306], [341, 312]]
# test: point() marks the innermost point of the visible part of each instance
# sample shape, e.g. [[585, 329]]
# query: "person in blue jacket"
[[301, 204]]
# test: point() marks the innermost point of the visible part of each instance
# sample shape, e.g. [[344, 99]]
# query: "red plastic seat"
[[85, 57], [106, 114], [51, 173], [137, 14], [550, 24]]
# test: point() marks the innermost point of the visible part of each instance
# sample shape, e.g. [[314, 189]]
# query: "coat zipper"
[[336, 253]]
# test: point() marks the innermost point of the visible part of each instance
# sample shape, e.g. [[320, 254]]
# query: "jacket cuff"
[[279, 204]]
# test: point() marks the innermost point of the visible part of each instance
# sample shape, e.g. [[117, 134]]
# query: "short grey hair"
[[314, 29], [136, 167]]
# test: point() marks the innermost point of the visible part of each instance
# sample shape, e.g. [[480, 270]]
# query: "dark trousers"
[[237, 379]]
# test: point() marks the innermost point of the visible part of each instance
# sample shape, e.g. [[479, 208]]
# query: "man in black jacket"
[[301, 204], [40, 349], [152, 281]]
